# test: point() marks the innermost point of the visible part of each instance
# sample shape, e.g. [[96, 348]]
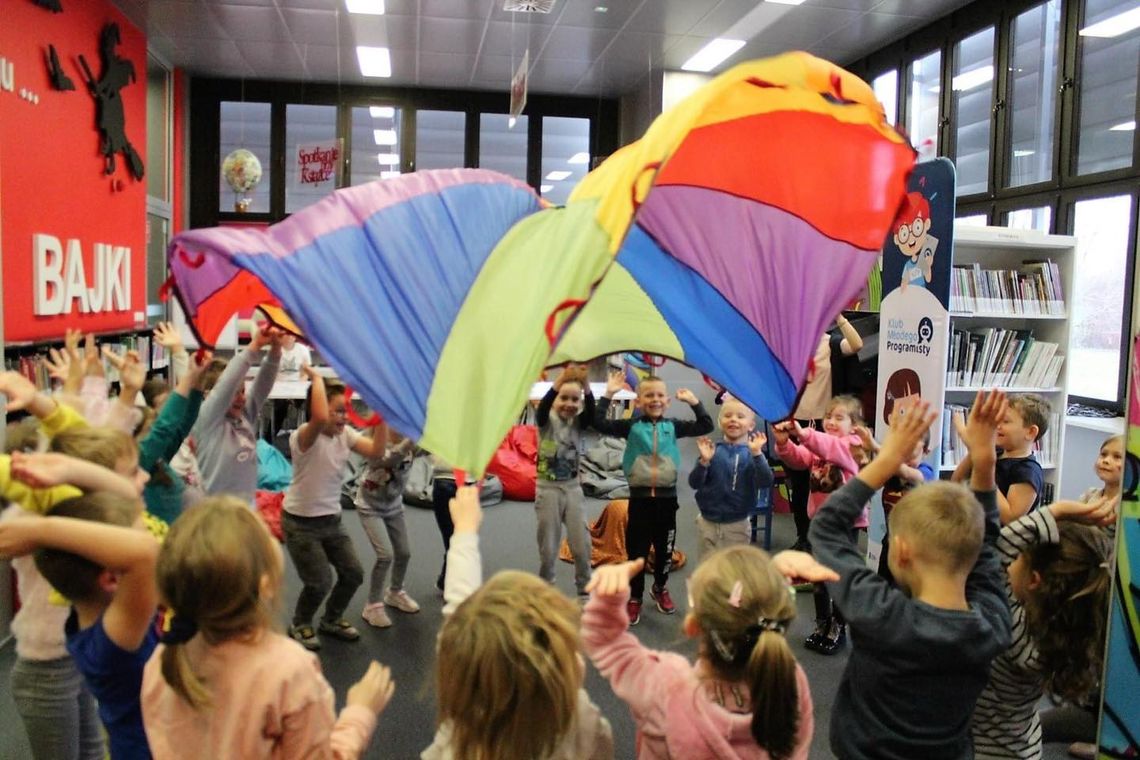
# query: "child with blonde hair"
[[746, 696], [224, 681], [830, 459], [1109, 467], [509, 674]]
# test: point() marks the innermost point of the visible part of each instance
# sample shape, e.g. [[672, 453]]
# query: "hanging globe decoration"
[[242, 172]]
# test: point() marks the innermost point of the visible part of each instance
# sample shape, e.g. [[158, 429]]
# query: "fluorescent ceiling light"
[[1121, 23], [382, 112], [579, 158], [971, 79], [786, 2], [511, 122], [384, 136], [374, 61], [557, 176], [600, 9], [388, 159], [389, 175], [367, 7], [1124, 126], [545, 188], [1024, 153], [712, 55]]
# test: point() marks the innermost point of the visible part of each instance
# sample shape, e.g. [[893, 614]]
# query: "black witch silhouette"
[[118, 72]]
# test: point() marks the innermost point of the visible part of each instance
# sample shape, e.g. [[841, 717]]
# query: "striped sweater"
[[1005, 719]]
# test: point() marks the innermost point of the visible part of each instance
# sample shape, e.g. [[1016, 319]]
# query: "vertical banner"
[[914, 318], [1120, 707], [519, 87]]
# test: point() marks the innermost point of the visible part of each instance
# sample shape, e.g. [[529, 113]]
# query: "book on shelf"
[[1032, 290], [1045, 449], [31, 364], [998, 357]]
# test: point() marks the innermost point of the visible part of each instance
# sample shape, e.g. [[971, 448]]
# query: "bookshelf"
[[1009, 323], [26, 357]]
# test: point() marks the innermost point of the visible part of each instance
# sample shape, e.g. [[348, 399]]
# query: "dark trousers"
[[884, 566], [798, 486], [824, 609], [442, 492], [652, 521], [318, 545]]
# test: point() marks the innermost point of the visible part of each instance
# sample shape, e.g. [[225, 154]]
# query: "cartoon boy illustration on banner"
[[911, 234]]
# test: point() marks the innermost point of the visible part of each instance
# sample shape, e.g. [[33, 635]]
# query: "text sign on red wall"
[[74, 237]]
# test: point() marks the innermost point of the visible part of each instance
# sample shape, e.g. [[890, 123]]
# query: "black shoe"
[[815, 640], [834, 640]]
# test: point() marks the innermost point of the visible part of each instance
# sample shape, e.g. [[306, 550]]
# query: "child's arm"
[[318, 410], [602, 423], [912, 475], [175, 420], [310, 732], [830, 448], [700, 473], [586, 418], [218, 401], [266, 376], [1017, 502], [542, 413], [464, 563], [374, 446], [792, 454], [49, 470], [852, 341], [130, 552], [702, 425], [166, 335]]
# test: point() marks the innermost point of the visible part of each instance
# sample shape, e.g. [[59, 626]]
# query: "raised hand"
[[866, 438], [197, 366], [795, 565], [756, 442], [613, 580], [19, 390], [706, 448], [782, 432], [167, 336], [980, 429], [58, 364], [615, 381], [373, 690], [687, 396], [466, 512], [1101, 512], [132, 374], [41, 470], [571, 373], [906, 431]]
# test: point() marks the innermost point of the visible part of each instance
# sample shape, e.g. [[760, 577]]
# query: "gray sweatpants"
[[59, 713], [395, 556], [558, 503], [716, 535]]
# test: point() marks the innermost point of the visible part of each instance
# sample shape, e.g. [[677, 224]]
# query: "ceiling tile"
[[442, 70], [311, 27], [396, 32], [503, 39], [636, 48], [803, 26], [495, 68], [578, 43], [582, 13], [449, 35], [251, 23], [670, 16], [554, 76], [468, 9], [184, 20], [721, 18]]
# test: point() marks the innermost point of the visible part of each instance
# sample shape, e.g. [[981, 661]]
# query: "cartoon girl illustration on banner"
[[912, 236], [903, 391]]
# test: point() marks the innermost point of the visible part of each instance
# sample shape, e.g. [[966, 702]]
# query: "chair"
[[763, 511]]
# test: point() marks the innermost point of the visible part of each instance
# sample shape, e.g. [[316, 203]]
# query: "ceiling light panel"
[[365, 7], [1114, 26], [374, 61], [712, 55]]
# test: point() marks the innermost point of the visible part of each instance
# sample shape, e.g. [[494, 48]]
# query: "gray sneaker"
[[307, 637], [339, 629], [375, 615]]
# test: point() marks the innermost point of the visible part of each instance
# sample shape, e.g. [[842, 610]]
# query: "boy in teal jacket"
[[650, 463]]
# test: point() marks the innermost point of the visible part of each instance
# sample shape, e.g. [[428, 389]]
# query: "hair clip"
[[735, 594], [175, 629], [776, 626], [1105, 565]]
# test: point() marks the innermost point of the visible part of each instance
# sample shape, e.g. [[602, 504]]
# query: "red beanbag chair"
[[515, 463], [269, 504]]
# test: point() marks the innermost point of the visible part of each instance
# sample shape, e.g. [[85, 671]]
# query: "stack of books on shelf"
[[30, 363], [953, 450], [989, 357], [1033, 290]]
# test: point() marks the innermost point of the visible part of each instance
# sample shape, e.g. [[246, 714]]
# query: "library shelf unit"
[[1010, 294]]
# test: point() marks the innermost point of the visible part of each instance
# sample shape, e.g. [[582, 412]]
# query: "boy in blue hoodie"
[[650, 464], [728, 478]]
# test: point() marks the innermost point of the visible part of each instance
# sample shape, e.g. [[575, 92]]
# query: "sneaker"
[[307, 637], [399, 599], [664, 601], [1083, 750], [339, 629], [817, 636], [834, 640], [633, 609], [376, 616]]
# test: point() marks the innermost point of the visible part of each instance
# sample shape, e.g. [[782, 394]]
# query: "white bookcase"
[[1004, 249]]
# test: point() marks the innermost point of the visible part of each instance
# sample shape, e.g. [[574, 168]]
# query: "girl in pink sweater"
[[831, 458], [746, 696], [223, 682]]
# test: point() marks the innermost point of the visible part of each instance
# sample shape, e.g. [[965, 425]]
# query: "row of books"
[[1033, 290], [31, 365], [1046, 450], [987, 357]]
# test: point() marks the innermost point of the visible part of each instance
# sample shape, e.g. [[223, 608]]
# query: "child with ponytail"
[[223, 681], [746, 696]]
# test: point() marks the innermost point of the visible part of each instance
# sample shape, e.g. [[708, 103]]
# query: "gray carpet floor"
[[408, 647]]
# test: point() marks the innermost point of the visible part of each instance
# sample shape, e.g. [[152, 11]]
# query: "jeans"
[[714, 535], [317, 545], [652, 521], [59, 713], [442, 492], [558, 503], [395, 556]]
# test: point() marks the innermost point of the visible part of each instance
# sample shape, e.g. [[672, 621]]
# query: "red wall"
[[52, 181]]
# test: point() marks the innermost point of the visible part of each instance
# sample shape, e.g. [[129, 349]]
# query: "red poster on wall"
[[74, 236]]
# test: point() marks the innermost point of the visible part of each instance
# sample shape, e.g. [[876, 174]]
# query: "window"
[[1037, 218], [245, 126], [308, 129], [886, 87], [440, 137], [1107, 121], [1034, 76], [923, 106], [158, 112], [1102, 229], [502, 147], [376, 141], [973, 220], [973, 86], [565, 156]]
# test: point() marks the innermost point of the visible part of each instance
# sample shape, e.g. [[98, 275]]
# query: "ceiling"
[[475, 44]]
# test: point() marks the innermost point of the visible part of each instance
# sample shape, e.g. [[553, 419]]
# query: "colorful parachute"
[[727, 237]]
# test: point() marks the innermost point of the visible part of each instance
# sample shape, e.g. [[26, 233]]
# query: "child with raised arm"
[[829, 459], [728, 479], [224, 682], [226, 431], [650, 463], [380, 506], [311, 513], [509, 674], [745, 696], [559, 499], [922, 651], [93, 550], [1020, 479]]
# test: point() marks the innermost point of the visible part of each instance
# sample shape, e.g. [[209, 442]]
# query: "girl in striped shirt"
[[1058, 582]]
